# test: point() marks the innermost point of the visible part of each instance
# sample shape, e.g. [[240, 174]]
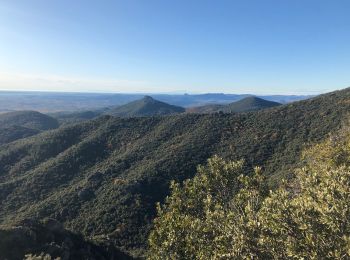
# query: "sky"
[[178, 46]]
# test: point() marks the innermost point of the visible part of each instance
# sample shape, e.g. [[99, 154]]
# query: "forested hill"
[[247, 104], [145, 107], [103, 177]]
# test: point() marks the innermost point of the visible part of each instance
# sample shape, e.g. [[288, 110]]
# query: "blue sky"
[[246, 46]]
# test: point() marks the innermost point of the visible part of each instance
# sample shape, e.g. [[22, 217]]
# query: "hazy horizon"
[[175, 93]]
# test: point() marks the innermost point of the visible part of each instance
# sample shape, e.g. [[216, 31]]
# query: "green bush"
[[223, 214]]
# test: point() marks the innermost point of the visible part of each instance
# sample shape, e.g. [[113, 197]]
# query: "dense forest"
[[103, 177]]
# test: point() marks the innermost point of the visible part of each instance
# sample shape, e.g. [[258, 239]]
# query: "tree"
[[212, 215], [310, 218], [223, 214]]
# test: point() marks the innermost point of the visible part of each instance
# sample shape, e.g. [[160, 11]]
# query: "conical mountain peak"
[[147, 106]]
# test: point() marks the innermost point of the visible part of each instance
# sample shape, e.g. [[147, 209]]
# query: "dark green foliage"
[[29, 119], [145, 107], [124, 166], [50, 238]]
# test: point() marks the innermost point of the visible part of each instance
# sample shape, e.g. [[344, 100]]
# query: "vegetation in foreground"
[[224, 214]]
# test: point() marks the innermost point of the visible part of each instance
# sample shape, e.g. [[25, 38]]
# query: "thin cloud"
[[18, 81]]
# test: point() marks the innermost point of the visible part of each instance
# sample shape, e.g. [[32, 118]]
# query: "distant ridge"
[[146, 106], [20, 124], [247, 104], [73, 102]]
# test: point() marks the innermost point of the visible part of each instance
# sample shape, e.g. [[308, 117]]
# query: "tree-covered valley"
[[102, 178]]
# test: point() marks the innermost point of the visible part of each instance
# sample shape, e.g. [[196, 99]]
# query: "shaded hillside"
[[22, 124], [145, 107], [244, 105], [12, 133], [50, 238], [29, 119], [103, 177]]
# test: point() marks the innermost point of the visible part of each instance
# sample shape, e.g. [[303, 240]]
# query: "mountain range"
[[148, 106], [21, 124], [103, 177], [48, 102]]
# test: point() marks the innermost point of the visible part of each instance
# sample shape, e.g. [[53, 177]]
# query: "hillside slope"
[[103, 177], [145, 107]]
